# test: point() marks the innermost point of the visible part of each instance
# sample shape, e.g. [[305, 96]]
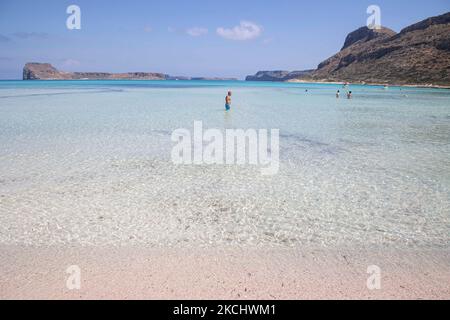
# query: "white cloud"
[[196, 31], [246, 30]]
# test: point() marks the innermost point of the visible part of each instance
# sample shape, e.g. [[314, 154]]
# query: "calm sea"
[[88, 162]]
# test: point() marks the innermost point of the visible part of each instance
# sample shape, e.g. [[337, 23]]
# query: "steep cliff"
[[419, 54]]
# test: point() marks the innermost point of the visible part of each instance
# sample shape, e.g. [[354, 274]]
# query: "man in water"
[[228, 101], [337, 94], [349, 95]]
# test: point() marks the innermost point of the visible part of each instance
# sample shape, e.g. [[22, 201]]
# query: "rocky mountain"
[[364, 34], [417, 55], [45, 71], [277, 75]]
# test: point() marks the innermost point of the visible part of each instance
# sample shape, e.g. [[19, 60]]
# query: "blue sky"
[[196, 38]]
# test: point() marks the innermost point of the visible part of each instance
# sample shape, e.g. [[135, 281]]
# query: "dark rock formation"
[[277, 75], [365, 34], [36, 71], [433, 21]]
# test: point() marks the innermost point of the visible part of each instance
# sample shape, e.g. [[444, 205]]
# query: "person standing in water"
[[228, 101], [337, 94], [349, 95]]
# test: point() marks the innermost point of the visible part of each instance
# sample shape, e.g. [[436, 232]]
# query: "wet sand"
[[222, 273]]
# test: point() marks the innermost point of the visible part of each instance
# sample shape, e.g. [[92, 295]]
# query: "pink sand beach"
[[229, 273]]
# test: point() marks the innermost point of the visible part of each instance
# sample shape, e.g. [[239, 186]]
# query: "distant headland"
[[45, 71]]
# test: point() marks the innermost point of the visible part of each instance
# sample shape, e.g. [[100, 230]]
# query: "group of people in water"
[[338, 94], [228, 98]]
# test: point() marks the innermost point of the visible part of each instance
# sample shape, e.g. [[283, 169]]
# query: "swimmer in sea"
[[337, 94], [349, 95], [228, 101]]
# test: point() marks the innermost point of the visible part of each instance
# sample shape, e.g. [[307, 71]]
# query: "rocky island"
[[417, 55], [45, 71]]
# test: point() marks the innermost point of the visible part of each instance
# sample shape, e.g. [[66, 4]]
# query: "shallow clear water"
[[88, 162]]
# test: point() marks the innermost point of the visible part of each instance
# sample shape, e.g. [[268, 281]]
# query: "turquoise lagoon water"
[[88, 163]]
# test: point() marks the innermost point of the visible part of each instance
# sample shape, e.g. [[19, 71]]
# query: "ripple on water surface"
[[92, 166]]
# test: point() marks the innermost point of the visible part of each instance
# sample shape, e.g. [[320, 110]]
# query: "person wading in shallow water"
[[228, 101]]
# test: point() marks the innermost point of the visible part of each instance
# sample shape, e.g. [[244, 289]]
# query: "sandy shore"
[[430, 86], [133, 273]]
